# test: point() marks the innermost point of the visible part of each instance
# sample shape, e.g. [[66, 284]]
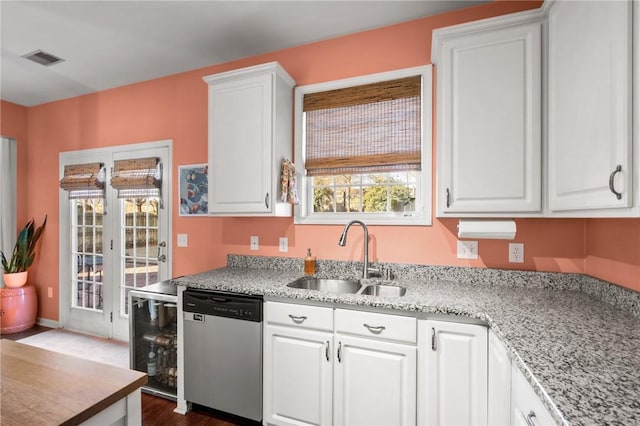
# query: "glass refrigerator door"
[[153, 340]]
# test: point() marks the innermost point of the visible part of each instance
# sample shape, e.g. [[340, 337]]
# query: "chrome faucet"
[[343, 242]]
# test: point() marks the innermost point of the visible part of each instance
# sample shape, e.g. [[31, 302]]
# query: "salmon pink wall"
[[13, 124], [175, 107]]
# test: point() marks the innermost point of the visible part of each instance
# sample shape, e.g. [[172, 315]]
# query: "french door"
[[111, 245]]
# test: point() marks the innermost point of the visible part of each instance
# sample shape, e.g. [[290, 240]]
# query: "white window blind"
[[364, 129]]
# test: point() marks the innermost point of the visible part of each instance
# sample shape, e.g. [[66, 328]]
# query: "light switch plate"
[[467, 249], [254, 242], [183, 240]]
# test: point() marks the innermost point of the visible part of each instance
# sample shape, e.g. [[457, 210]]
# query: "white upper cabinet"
[[589, 105], [489, 116], [250, 133]]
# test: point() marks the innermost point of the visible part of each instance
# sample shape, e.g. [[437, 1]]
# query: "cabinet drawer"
[[302, 316], [372, 324]]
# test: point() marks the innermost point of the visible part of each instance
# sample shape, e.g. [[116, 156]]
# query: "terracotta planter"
[[15, 280], [18, 309]]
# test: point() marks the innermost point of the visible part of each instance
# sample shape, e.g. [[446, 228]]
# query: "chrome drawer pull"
[[296, 319], [375, 329], [530, 417]]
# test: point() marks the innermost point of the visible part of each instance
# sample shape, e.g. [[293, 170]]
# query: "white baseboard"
[[47, 323]]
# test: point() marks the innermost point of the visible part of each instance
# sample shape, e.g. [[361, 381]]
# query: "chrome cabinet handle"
[[296, 319], [339, 351], [448, 198], [327, 351], [433, 339], [375, 329], [530, 417], [266, 200], [611, 177]]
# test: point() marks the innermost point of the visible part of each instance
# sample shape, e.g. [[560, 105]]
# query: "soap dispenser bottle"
[[309, 263]]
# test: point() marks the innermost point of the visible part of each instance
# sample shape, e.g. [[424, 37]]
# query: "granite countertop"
[[580, 354]]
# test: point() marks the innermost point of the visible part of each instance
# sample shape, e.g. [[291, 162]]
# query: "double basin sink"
[[346, 286]]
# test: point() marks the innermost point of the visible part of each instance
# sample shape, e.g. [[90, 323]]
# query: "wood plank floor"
[[159, 411]]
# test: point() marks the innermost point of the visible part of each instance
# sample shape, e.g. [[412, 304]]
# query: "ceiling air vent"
[[43, 58]]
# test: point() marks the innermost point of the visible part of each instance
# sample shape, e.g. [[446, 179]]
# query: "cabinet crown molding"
[[488, 24], [255, 69]]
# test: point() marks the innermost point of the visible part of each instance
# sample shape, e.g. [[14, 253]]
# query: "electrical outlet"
[[50, 292], [183, 240], [254, 242], [467, 249], [284, 244], [516, 253]]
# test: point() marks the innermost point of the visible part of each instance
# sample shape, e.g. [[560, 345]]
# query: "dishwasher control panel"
[[202, 303]]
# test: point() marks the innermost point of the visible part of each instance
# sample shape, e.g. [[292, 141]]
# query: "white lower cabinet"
[[452, 369], [365, 375], [375, 372], [298, 365], [526, 407], [326, 366], [499, 386]]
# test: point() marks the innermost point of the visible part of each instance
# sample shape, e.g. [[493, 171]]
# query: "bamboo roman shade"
[[137, 178], [84, 181], [364, 129]]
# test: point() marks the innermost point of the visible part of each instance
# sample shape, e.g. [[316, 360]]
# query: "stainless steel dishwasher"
[[223, 352]]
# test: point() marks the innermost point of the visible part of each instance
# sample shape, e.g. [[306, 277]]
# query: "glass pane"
[[348, 200], [140, 236], [322, 180], [348, 180], [87, 257], [323, 199], [375, 199], [403, 198]]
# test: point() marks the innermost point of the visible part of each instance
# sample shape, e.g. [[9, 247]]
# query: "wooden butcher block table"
[[41, 387]]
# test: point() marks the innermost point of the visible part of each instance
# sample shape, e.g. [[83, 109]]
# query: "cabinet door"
[[453, 370], [297, 376], [375, 382], [590, 105], [499, 386], [526, 407], [489, 121], [240, 143]]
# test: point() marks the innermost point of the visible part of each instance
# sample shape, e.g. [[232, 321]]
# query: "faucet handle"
[[374, 272]]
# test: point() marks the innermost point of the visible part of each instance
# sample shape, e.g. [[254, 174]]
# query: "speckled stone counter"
[[576, 340]]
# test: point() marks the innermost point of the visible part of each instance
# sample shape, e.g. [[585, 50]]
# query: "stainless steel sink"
[[384, 290], [329, 285]]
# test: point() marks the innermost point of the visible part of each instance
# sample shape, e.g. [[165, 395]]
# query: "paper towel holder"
[[487, 229]]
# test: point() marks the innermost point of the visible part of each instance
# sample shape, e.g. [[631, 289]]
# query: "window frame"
[[303, 212]]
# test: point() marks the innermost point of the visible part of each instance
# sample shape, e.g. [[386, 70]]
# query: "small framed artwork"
[[193, 190]]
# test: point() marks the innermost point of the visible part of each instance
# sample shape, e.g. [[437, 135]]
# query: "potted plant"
[[24, 252]]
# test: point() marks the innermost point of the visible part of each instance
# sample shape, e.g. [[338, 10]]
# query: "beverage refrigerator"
[[153, 338]]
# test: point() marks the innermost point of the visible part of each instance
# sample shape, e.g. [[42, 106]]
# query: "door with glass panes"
[[117, 242]]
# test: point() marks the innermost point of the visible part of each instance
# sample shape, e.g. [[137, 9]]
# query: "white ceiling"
[[108, 44]]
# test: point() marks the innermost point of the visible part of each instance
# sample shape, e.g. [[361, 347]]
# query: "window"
[[363, 146]]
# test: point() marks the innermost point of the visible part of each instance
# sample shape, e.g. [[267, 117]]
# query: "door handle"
[[161, 257]]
